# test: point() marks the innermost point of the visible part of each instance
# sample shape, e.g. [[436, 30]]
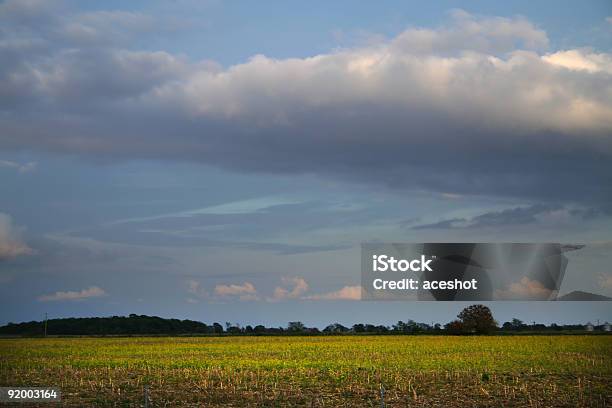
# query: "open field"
[[535, 371]]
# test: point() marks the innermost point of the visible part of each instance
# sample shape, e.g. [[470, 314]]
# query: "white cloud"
[[245, 291], [11, 243], [346, 293], [578, 60], [293, 288], [469, 32], [90, 292]]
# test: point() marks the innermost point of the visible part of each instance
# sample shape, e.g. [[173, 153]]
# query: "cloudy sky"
[[223, 162]]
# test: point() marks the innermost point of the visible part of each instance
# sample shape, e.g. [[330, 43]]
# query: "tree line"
[[475, 319]]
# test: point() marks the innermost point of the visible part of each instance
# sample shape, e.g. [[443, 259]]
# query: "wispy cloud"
[[21, 168], [91, 292], [196, 291], [11, 242], [233, 207], [533, 214]]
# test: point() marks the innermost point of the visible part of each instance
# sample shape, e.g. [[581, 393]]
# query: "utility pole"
[[45, 324]]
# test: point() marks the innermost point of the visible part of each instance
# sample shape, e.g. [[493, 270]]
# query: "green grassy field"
[[535, 371]]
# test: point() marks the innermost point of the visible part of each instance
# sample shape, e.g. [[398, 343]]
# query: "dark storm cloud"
[[476, 107]]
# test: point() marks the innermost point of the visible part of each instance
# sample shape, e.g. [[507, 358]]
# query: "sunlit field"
[[535, 371]]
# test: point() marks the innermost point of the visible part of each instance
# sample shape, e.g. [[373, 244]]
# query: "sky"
[[224, 161]]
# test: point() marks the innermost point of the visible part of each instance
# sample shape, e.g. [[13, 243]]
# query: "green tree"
[[296, 327], [477, 319], [517, 324], [454, 327]]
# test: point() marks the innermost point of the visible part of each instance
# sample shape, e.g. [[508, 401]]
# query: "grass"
[[536, 371]]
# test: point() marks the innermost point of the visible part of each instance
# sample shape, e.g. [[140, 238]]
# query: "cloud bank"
[[291, 288], [478, 106]]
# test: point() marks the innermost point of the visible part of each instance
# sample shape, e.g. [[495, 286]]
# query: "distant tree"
[[477, 319], [399, 327], [217, 328], [454, 327], [335, 328], [116, 325], [421, 327], [359, 328], [296, 327], [370, 328], [517, 324], [409, 327]]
